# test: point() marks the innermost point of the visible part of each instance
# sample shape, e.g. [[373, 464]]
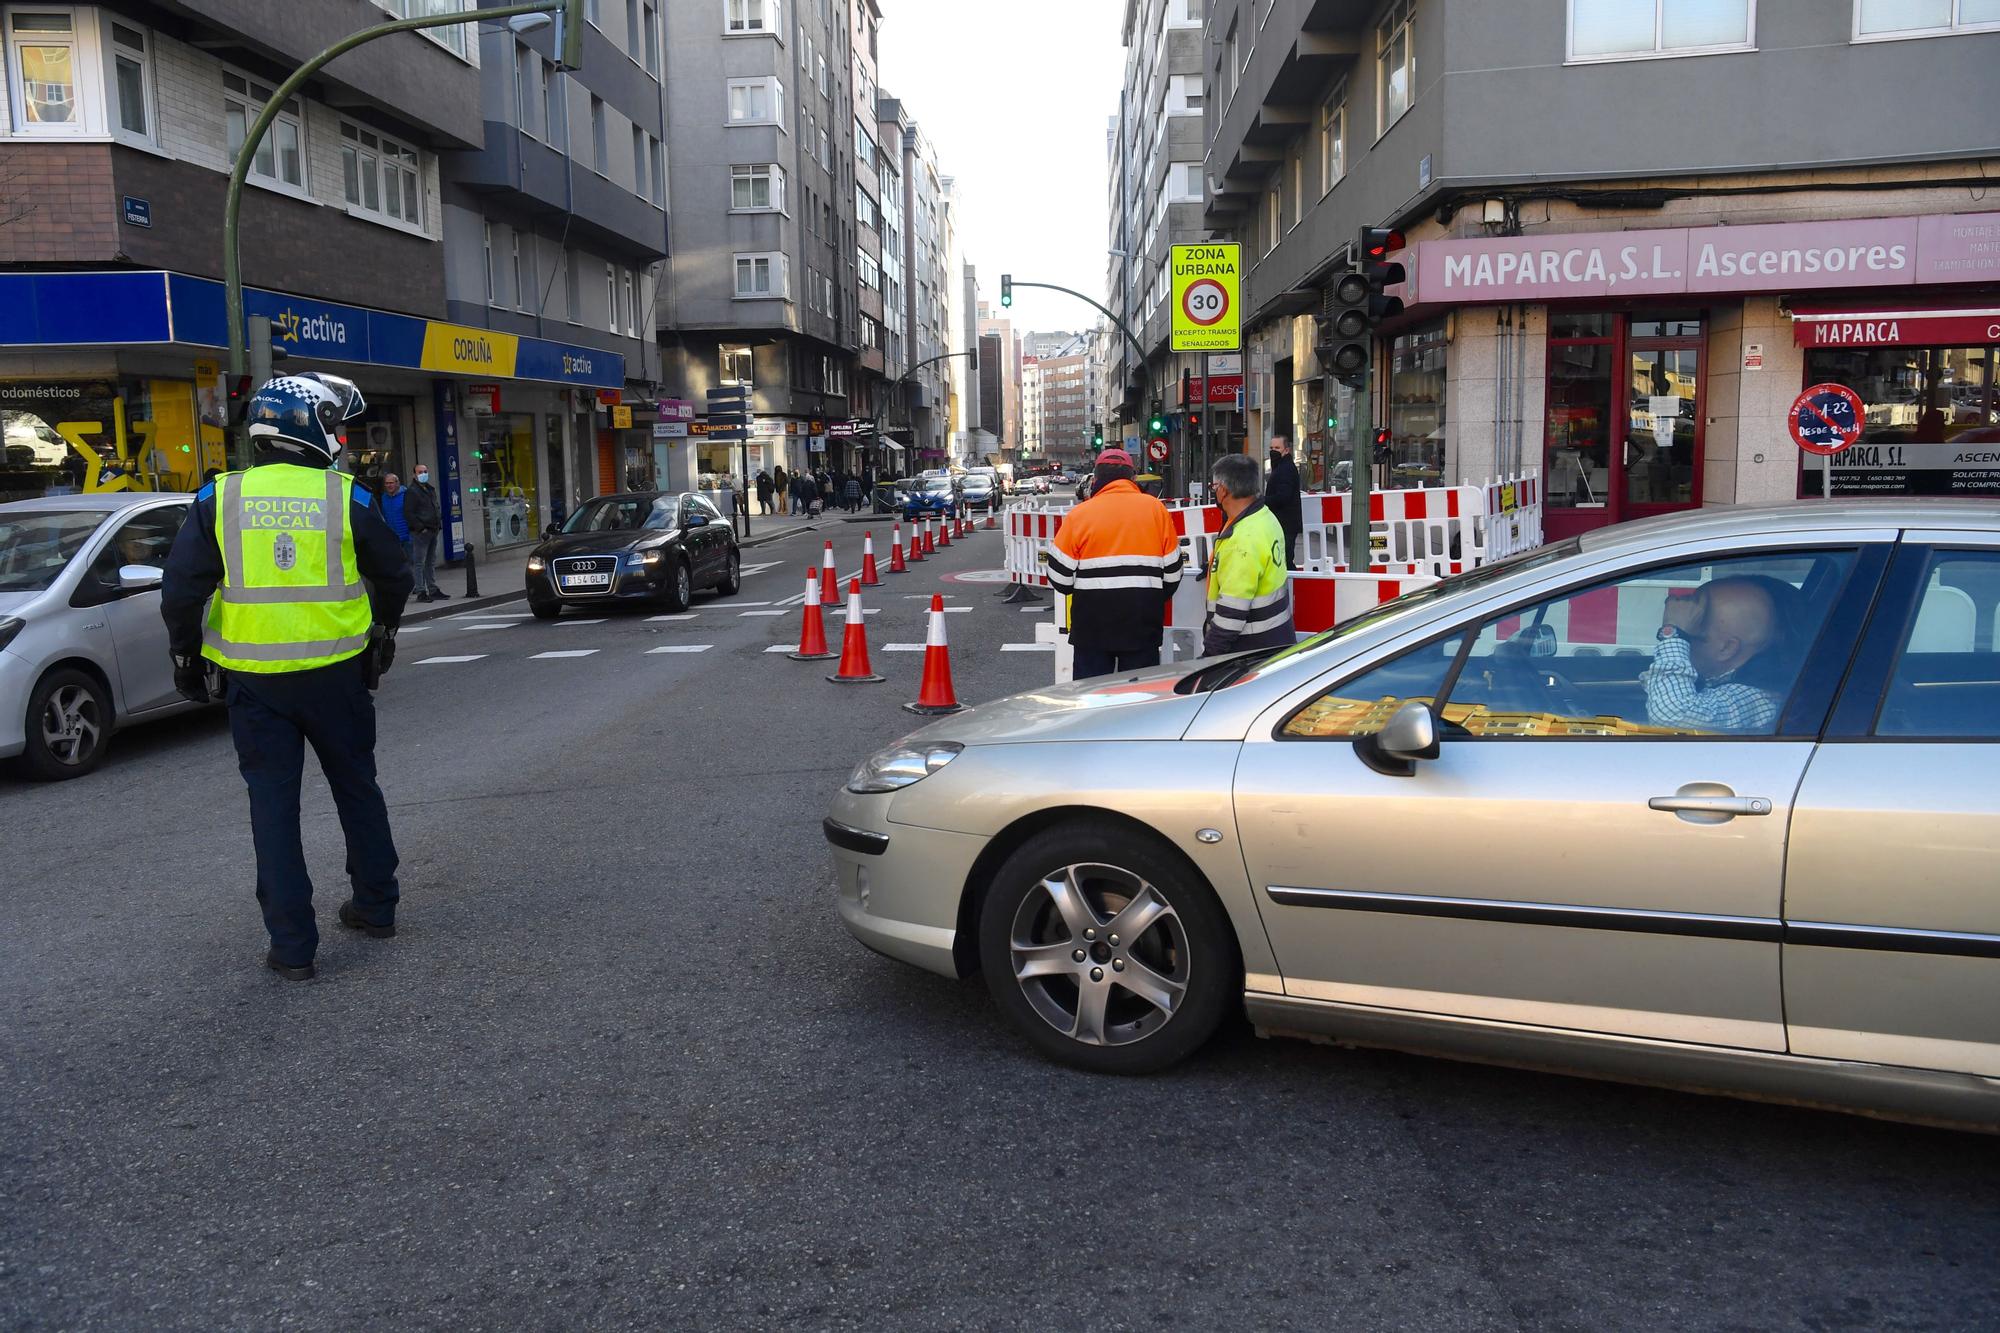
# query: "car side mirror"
[[696, 521], [1410, 734], [139, 578]]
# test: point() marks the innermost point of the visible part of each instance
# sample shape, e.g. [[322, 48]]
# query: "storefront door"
[[1623, 432]]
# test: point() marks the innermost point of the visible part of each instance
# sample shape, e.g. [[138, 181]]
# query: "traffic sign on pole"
[[1207, 294]]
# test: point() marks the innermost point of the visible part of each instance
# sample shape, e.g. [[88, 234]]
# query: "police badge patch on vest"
[[284, 551]]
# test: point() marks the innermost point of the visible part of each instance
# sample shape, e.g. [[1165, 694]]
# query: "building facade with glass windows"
[[1637, 232]]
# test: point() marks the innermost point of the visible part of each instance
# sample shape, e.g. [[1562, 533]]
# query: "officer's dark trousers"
[[1090, 662], [272, 718]]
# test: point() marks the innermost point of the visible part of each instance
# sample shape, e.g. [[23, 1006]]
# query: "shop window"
[[1931, 421], [1625, 29], [380, 177], [280, 157], [1578, 417], [1395, 66], [507, 481], [1875, 20], [1416, 408], [1624, 457]]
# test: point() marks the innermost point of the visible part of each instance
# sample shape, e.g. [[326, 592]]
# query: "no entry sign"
[[1826, 418]]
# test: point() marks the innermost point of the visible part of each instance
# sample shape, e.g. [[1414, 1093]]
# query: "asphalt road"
[[621, 1067]]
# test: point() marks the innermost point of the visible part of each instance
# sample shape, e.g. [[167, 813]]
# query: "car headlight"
[[900, 765], [9, 627], [536, 564]]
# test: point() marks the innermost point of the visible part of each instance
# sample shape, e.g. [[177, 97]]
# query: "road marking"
[[734, 602], [493, 615], [780, 648], [579, 622], [744, 615], [1027, 647], [412, 629], [902, 647], [759, 569], [571, 652], [681, 648], [498, 624], [957, 608], [685, 615], [1034, 610], [442, 661]]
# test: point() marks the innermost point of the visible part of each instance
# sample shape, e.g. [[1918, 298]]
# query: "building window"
[[760, 275], [864, 209], [1297, 182], [641, 162], [1878, 19], [47, 68], [649, 31], [1603, 30], [736, 365], [756, 102], [630, 305], [1416, 405], [131, 81], [1274, 214], [280, 158], [487, 230], [1333, 140], [521, 283], [599, 138], [1395, 66], [379, 175], [659, 173], [751, 16], [524, 62], [757, 187], [1184, 94], [610, 297], [870, 272], [573, 286], [451, 37]]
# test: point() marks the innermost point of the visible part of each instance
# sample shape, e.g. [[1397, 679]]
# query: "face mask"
[[423, 476]]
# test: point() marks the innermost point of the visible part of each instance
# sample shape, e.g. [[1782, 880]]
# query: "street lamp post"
[[1011, 282], [571, 12]]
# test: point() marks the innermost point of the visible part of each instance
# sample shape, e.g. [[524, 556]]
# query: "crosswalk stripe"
[[493, 615], [685, 615], [745, 615], [1027, 647], [759, 569], [949, 609], [779, 648], [902, 647], [681, 648], [734, 602], [413, 629], [579, 622], [571, 652], [442, 661]]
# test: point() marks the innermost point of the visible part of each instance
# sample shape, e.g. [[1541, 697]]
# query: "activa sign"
[[1865, 252]]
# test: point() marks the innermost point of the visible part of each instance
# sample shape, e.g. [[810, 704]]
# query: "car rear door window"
[[1946, 681]]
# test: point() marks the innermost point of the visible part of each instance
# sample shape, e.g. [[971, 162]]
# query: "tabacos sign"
[[1864, 252]]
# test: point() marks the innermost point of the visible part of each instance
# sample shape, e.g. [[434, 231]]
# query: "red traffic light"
[[1378, 243], [1381, 436]]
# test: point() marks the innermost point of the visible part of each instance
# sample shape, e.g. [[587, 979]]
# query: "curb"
[[458, 605]]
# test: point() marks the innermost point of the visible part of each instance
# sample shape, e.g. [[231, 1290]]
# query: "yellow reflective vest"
[[291, 596], [1249, 587]]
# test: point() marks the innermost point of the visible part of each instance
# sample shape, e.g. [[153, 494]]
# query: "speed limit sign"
[[1205, 303]]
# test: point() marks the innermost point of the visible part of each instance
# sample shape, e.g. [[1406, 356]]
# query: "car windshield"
[[938, 484], [623, 513], [1231, 671], [35, 547]]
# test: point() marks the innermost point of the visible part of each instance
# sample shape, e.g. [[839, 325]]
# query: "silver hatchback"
[[83, 650], [1710, 801]]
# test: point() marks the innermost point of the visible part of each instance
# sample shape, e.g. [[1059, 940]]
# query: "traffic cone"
[[854, 668], [944, 534], [829, 579], [916, 543], [990, 525], [930, 538], [812, 630], [936, 695], [896, 565], [869, 578]]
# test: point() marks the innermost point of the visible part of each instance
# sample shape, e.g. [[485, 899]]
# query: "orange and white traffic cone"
[[990, 525], [944, 534], [854, 667], [812, 630], [896, 565], [869, 578], [930, 537], [829, 579], [916, 543], [936, 695]]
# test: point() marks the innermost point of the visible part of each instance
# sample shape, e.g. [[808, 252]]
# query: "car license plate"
[[586, 580]]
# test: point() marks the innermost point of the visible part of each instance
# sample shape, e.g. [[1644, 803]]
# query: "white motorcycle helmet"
[[302, 414]]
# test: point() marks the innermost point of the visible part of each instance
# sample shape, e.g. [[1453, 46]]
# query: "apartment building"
[[916, 289], [1154, 150], [1636, 232], [1031, 408], [1066, 426], [556, 226], [999, 383], [119, 124]]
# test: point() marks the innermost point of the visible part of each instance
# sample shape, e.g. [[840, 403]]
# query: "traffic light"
[[1006, 289], [1097, 439], [1156, 424], [239, 400], [1345, 333], [569, 34]]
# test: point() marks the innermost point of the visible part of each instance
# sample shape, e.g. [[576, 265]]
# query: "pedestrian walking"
[[392, 502], [288, 579], [1118, 560], [781, 483], [1281, 496], [763, 491], [1249, 582], [852, 493], [425, 517]]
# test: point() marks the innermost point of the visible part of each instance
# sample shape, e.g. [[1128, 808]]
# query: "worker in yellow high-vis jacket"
[[266, 583], [1249, 584]]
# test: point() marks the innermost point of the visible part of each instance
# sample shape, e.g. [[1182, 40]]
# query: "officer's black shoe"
[[440, 594], [353, 921], [287, 971], [421, 597]]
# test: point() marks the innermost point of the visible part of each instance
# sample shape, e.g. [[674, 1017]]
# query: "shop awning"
[[1895, 324], [891, 446]]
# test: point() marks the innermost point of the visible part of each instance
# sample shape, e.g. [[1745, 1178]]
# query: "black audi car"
[[643, 546]]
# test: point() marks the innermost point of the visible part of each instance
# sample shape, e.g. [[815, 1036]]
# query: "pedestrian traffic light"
[[1006, 289]]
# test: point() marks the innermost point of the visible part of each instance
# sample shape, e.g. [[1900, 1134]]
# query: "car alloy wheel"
[[1106, 948], [71, 725], [1100, 955]]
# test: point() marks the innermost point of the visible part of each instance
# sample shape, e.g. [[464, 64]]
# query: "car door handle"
[[1707, 807]]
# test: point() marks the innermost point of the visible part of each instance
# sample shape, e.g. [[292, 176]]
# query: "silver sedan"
[[1707, 801], [83, 650]]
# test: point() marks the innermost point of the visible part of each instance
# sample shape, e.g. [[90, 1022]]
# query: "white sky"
[[1014, 97]]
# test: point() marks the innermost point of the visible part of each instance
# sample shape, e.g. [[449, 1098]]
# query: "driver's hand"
[[1685, 613]]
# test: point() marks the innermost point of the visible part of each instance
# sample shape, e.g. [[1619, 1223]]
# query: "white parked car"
[[83, 650]]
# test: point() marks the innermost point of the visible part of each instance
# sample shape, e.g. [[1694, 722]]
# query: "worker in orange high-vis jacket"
[[1118, 560]]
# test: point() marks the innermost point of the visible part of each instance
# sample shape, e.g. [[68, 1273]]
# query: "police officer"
[[265, 582], [1249, 586]]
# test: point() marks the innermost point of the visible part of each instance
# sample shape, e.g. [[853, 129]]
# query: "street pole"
[[1207, 416], [1119, 323], [1360, 551], [232, 265]]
